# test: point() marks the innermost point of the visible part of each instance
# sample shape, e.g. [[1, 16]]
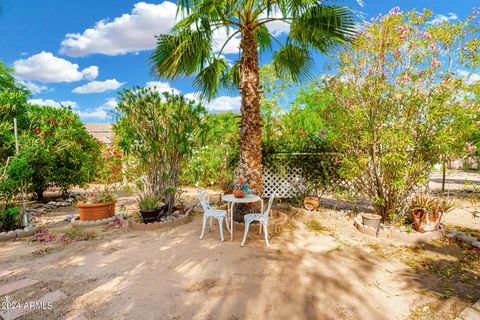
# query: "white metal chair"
[[208, 212], [262, 218]]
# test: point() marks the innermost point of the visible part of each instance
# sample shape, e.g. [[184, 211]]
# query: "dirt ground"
[[320, 267]]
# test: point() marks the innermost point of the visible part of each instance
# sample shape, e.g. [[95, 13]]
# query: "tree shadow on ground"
[[170, 274]]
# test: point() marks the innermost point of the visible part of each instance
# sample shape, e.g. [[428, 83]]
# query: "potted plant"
[[99, 205], [427, 212], [371, 220], [311, 203], [240, 188], [150, 207]]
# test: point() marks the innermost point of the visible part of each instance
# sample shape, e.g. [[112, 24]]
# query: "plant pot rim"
[[92, 205], [371, 216], [419, 208], [151, 210]]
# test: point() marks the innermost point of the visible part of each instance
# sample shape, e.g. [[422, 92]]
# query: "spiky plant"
[[189, 51]]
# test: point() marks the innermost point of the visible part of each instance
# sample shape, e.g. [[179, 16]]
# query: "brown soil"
[[320, 267]]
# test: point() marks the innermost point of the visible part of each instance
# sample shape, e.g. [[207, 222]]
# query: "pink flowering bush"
[[401, 103]]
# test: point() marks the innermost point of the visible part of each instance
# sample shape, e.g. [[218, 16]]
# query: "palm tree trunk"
[[250, 166]]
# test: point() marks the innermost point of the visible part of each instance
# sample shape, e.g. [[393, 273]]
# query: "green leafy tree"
[[57, 149], [189, 50], [400, 104], [214, 161], [160, 131]]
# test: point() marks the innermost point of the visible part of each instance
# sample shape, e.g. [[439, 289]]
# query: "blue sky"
[[80, 53]]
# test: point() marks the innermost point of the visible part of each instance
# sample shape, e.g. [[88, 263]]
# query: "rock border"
[[460, 235], [395, 234], [92, 223], [19, 233], [470, 313], [157, 225]]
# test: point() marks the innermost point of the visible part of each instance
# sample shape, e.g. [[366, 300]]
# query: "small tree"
[[58, 149], [160, 130], [398, 105]]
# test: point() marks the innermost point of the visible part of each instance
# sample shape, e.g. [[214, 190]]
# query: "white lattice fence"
[[287, 184], [286, 178]]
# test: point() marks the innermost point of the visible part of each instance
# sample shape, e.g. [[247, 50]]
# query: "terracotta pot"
[[238, 193], [425, 221], [112, 208], [371, 220], [311, 203], [97, 211]]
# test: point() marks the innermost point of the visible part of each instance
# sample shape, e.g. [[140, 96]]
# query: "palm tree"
[[189, 51]]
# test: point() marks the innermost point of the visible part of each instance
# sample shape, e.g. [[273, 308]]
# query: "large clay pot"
[[238, 193], [311, 203], [425, 221], [371, 220], [97, 211]]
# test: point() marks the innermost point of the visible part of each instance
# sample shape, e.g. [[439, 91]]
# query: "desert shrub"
[[9, 218], [397, 104], [160, 131]]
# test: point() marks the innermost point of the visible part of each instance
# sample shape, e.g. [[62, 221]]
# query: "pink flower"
[[470, 148], [426, 35]]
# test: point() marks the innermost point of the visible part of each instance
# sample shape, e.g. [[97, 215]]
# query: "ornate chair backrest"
[[204, 199], [269, 206]]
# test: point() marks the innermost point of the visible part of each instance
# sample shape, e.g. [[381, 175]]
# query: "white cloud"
[[219, 38], [276, 27], [162, 87], [219, 104], [225, 104], [128, 33], [110, 104], [53, 103], [439, 18], [33, 87], [136, 31], [98, 86], [470, 76], [45, 67], [100, 113], [90, 73]]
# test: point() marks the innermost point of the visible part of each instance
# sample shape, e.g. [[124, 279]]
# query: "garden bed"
[[397, 234], [158, 224]]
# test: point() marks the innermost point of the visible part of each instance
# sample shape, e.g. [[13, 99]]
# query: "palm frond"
[[293, 61], [230, 79], [209, 78], [262, 37], [323, 27], [184, 53]]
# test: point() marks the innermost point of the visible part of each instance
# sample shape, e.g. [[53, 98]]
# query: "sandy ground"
[[171, 274]]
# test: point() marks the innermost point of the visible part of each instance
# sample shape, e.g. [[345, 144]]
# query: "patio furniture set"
[[227, 215]]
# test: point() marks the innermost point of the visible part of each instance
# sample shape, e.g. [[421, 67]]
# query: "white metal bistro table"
[[231, 200]]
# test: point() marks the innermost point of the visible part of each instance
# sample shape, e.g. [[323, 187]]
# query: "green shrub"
[[9, 218]]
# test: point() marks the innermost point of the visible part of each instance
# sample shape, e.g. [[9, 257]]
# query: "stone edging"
[[157, 225], [91, 223], [409, 237], [19, 233], [470, 313], [459, 235]]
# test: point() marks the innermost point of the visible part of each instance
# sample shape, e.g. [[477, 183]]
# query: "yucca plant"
[[190, 51], [147, 202]]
